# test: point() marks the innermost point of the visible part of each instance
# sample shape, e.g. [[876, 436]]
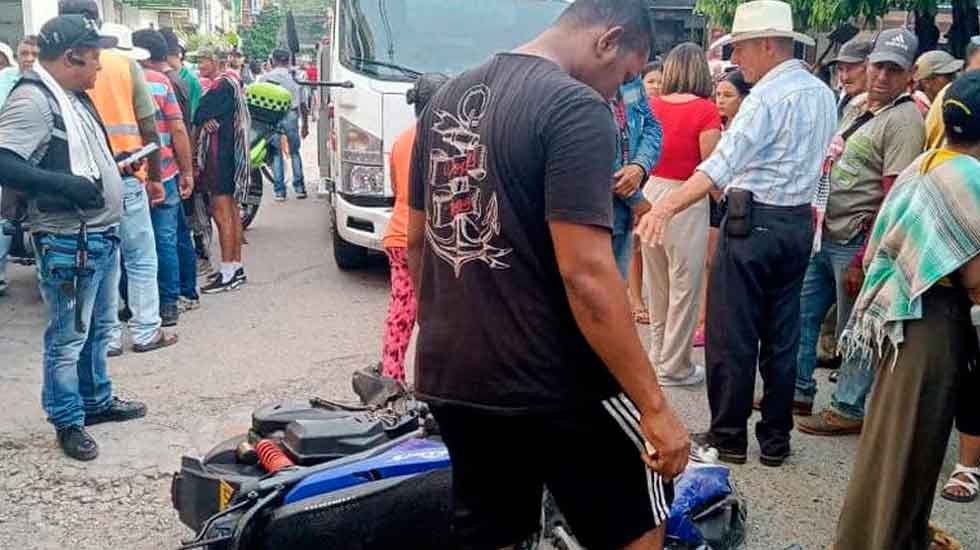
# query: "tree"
[[262, 37], [810, 15]]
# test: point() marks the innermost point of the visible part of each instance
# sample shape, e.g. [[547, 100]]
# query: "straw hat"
[[124, 35], [762, 19]]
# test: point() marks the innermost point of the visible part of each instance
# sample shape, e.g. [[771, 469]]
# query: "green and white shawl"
[[928, 227]]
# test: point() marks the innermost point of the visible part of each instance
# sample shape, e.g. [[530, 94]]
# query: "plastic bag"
[[707, 512]]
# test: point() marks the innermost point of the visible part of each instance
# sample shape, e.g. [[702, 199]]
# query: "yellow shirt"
[[935, 128]]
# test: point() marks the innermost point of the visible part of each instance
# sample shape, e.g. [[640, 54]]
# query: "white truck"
[[381, 46]]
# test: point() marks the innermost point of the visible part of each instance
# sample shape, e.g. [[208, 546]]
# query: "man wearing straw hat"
[[767, 165]]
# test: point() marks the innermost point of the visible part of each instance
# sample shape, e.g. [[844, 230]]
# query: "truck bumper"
[[360, 225]]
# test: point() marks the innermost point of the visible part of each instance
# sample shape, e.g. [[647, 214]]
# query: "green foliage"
[[815, 15], [262, 37]]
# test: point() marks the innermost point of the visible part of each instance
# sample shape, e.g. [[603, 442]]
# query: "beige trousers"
[[674, 272]]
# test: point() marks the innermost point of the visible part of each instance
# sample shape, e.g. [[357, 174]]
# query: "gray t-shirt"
[[284, 78], [26, 123]]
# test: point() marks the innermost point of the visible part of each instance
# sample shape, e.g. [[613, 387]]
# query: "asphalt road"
[[298, 329]]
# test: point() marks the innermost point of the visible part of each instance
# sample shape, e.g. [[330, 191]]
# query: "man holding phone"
[[54, 148]]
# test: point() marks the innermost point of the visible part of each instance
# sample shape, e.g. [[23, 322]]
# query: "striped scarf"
[[927, 229], [243, 124]]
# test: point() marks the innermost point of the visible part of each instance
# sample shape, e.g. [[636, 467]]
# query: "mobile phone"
[[138, 155]]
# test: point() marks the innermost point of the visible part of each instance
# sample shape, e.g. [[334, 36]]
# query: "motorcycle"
[[268, 104]]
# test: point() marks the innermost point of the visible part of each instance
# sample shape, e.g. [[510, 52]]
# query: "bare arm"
[[148, 131], [707, 141], [416, 240], [182, 146], [597, 296], [651, 228]]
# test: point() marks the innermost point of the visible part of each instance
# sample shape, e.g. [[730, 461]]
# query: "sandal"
[[160, 340], [641, 316], [941, 540], [972, 486]]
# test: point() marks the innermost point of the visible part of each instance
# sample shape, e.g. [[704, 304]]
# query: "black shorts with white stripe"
[[588, 457]]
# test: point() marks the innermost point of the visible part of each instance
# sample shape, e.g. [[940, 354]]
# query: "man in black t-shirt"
[[527, 350]]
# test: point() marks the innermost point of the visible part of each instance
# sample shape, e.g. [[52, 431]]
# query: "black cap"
[[280, 55], [961, 108], [153, 42], [174, 47], [88, 8], [67, 32]]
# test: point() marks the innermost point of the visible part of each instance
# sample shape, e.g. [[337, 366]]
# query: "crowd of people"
[[746, 205], [122, 240], [547, 202]]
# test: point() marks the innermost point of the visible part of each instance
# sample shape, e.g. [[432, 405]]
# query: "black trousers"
[[753, 318]]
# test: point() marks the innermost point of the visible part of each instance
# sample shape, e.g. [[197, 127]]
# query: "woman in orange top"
[[401, 306]]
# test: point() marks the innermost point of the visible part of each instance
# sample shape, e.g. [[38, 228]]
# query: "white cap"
[[124, 35]]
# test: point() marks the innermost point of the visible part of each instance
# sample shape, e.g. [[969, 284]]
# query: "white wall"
[[37, 13]]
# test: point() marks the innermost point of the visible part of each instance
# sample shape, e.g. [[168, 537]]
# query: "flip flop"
[[160, 340], [972, 486]]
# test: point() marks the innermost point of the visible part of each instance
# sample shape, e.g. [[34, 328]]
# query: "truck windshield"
[[399, 39]]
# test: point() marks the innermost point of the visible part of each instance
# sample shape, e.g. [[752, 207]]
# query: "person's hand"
[[211, 126], [627, 180], [83, 193], [156, 192], [854, 279], [186, 186], [640, 209], [669, 444], [652, 226]]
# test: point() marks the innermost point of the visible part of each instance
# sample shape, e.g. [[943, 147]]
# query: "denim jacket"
[[645, 138]]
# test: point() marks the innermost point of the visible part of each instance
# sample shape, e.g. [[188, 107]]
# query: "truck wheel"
[[348, 256]]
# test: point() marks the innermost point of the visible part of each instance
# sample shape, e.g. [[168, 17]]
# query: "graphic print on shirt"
[[463, 219]]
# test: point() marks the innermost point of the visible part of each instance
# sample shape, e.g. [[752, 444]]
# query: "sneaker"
[[833, 376], [696, 377], [169, 315], [77, 443], [3, 287], [188, 304], [218, 284], [118, 411], [114, 351], [701, 447], [301, 195], [280, 198], [774, 460], [829, 423]]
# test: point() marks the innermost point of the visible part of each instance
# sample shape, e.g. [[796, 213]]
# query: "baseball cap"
[[854, 51], [936, 62], [961, 108], [897, 46], [174, 44], [280, 55], [66, 32], [153, 42]]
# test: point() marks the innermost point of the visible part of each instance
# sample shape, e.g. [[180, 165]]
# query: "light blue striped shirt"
[[777, 143]]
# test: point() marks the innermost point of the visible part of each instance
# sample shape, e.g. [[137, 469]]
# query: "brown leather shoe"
[[800, 408], [829, 423]]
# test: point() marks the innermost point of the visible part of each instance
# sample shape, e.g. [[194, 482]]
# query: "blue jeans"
[[187, 257], [139, 259], [164, 218], [4, 249], [622, 244], [76, 382], [291, 126], [823, 286]]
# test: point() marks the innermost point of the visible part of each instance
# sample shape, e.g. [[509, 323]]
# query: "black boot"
[[77, 443], [119, 411]]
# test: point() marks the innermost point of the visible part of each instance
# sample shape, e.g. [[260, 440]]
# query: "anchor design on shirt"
[[462, 225]]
